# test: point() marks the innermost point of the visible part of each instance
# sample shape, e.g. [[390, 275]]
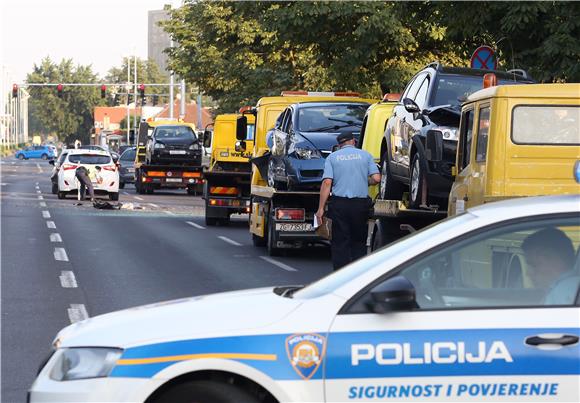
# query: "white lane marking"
[[67, 279], [36, 183], [230, 241], [277, 263], [4, 184], [40, 198], [37, 187], [153, 205], [50, 224], [55, 237], [39, 168], [125, 193], [60, 254], [139, 198], [195, 225], [38, 191], [77, 313], [45, 214], [42, 204], [169, 212]]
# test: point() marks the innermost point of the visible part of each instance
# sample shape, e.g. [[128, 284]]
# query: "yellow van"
[[516, 140], [373, 128]]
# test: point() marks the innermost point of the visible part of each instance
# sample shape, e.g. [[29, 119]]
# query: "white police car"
[[480, 307]]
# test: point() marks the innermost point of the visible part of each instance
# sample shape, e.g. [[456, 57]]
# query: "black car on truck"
[[176, 144]]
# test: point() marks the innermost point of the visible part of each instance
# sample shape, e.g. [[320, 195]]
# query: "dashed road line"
[[40, 198], [45, 214], [125, 193], [37, 187], [228, 240], [277, 263], [67, 279], [55, 237], [195, 225], [38, 191], [77, 313], [39, 168], [60, 254], [42, 204], [50, 224], [153, 205], [139, 198]]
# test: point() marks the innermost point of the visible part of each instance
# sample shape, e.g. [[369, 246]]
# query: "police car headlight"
[[448, 133], [307, 153], [84, 363], [159, 145]]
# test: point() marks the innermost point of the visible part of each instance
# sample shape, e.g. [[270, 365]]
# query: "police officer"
[[347, 174], [82, 174]]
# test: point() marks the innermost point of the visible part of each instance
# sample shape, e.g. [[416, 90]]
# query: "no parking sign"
[[484, 58]]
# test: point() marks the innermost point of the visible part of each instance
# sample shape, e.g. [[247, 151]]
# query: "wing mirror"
[[240, 146], [411, 106], [241, 127], [434, 145], [393, 295], [207, 138]]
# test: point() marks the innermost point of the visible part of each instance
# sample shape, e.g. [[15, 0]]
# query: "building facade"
[[157, 39]]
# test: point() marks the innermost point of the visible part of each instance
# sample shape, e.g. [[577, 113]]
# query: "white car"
[[465, 310], [102, 171]]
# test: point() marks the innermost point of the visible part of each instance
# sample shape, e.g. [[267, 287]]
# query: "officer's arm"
[[324, 194], [374, 179]]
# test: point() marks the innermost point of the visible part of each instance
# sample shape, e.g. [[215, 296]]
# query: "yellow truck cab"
[[516, 140], [373, 129], [227, 179]]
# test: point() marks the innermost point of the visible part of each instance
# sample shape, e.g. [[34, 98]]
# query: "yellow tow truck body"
[[517, 140]]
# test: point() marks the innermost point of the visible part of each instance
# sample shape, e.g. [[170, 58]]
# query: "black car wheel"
[[204, 392], [20, 157], [114, 196], [44, 156], [417, 183], [389, 188]]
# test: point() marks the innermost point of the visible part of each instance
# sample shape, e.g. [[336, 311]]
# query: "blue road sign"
[[484, 58]]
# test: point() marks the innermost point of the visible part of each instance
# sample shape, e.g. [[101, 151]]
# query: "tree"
[[69, 117], [147, 73]]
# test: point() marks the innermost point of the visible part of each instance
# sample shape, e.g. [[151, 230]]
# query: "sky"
[[95, 32]]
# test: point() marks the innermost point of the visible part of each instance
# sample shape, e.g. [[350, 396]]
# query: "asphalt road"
[[62, 262]]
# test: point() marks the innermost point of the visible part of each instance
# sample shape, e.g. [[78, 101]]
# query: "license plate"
[[130, 169], [173, 179], [180, 152], [294, 227]]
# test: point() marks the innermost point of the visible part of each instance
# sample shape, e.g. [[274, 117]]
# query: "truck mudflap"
[[262, 163]]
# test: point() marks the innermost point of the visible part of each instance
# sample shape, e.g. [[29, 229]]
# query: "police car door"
[[489, 323]]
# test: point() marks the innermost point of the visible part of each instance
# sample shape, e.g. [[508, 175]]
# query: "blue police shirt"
[[349, 168]]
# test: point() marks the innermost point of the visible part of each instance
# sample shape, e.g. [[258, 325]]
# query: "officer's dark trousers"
[[349, 229], [86, 183]]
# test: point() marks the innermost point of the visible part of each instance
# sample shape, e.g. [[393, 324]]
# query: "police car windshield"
[[330, 117], [174, 132], [339, 278], [89, 159]]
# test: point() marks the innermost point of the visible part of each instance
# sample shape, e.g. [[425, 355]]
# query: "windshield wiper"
[[349, 122], [287, 291], [335, 127]]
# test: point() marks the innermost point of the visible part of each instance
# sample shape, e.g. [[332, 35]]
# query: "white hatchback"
[[102, 171]]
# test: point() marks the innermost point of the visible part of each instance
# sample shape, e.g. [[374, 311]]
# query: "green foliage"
[[69, 117], [147, 72], [132, 120]]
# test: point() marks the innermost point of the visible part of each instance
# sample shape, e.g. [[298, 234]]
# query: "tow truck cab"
[[516, 140]]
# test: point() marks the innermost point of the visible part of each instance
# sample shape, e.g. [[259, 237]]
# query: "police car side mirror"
[[393, 295]]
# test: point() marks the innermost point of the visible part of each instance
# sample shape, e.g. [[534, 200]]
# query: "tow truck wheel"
[[205, 392], [149, 190], [191, 190], [416, 183], [210, 221], [271, 245], [258, 241]]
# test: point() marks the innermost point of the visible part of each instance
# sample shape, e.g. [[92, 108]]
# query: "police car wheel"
[[54, 188], [61, 195], [205, 392]]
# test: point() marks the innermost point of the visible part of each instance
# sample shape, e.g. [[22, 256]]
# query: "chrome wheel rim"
[[415, 180], [383, 185], [271, 173]]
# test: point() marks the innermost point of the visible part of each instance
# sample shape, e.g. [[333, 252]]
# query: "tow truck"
[[151, 177], [227, 179], [283, 219]]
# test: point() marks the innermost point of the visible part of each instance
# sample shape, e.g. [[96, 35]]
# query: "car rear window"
[[174, 132], [89, 159], [331, 117], [450, 87], [546, 124], [128, 155]]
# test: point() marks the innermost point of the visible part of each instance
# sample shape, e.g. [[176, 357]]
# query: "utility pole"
[[135, 98], [128, 87], [171, 83], [182, 103]]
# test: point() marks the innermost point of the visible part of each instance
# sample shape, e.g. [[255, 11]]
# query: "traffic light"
[[155, 99], [59, 88], [129, 98], [14, 90], [103, 91]]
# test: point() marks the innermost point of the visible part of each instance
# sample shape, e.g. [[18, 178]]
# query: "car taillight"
[[112, 168], [67, 167], [287, 214]]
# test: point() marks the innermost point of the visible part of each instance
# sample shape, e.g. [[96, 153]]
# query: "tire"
[[389, 188], [20, 157], [192, 191], [205, 392], [114, 196], [61, 195], [55, 188], [121, 185], [270, 245], [272, 182], [44, 156], [258, 241], [149, 190], [416, 181], [211, 221]]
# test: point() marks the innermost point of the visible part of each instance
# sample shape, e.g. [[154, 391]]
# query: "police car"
[[464, 310]]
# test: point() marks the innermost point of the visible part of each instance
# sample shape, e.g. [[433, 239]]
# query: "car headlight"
[[194, 147], [159, 145], [84, 363], [307, 153], [448, 133]]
